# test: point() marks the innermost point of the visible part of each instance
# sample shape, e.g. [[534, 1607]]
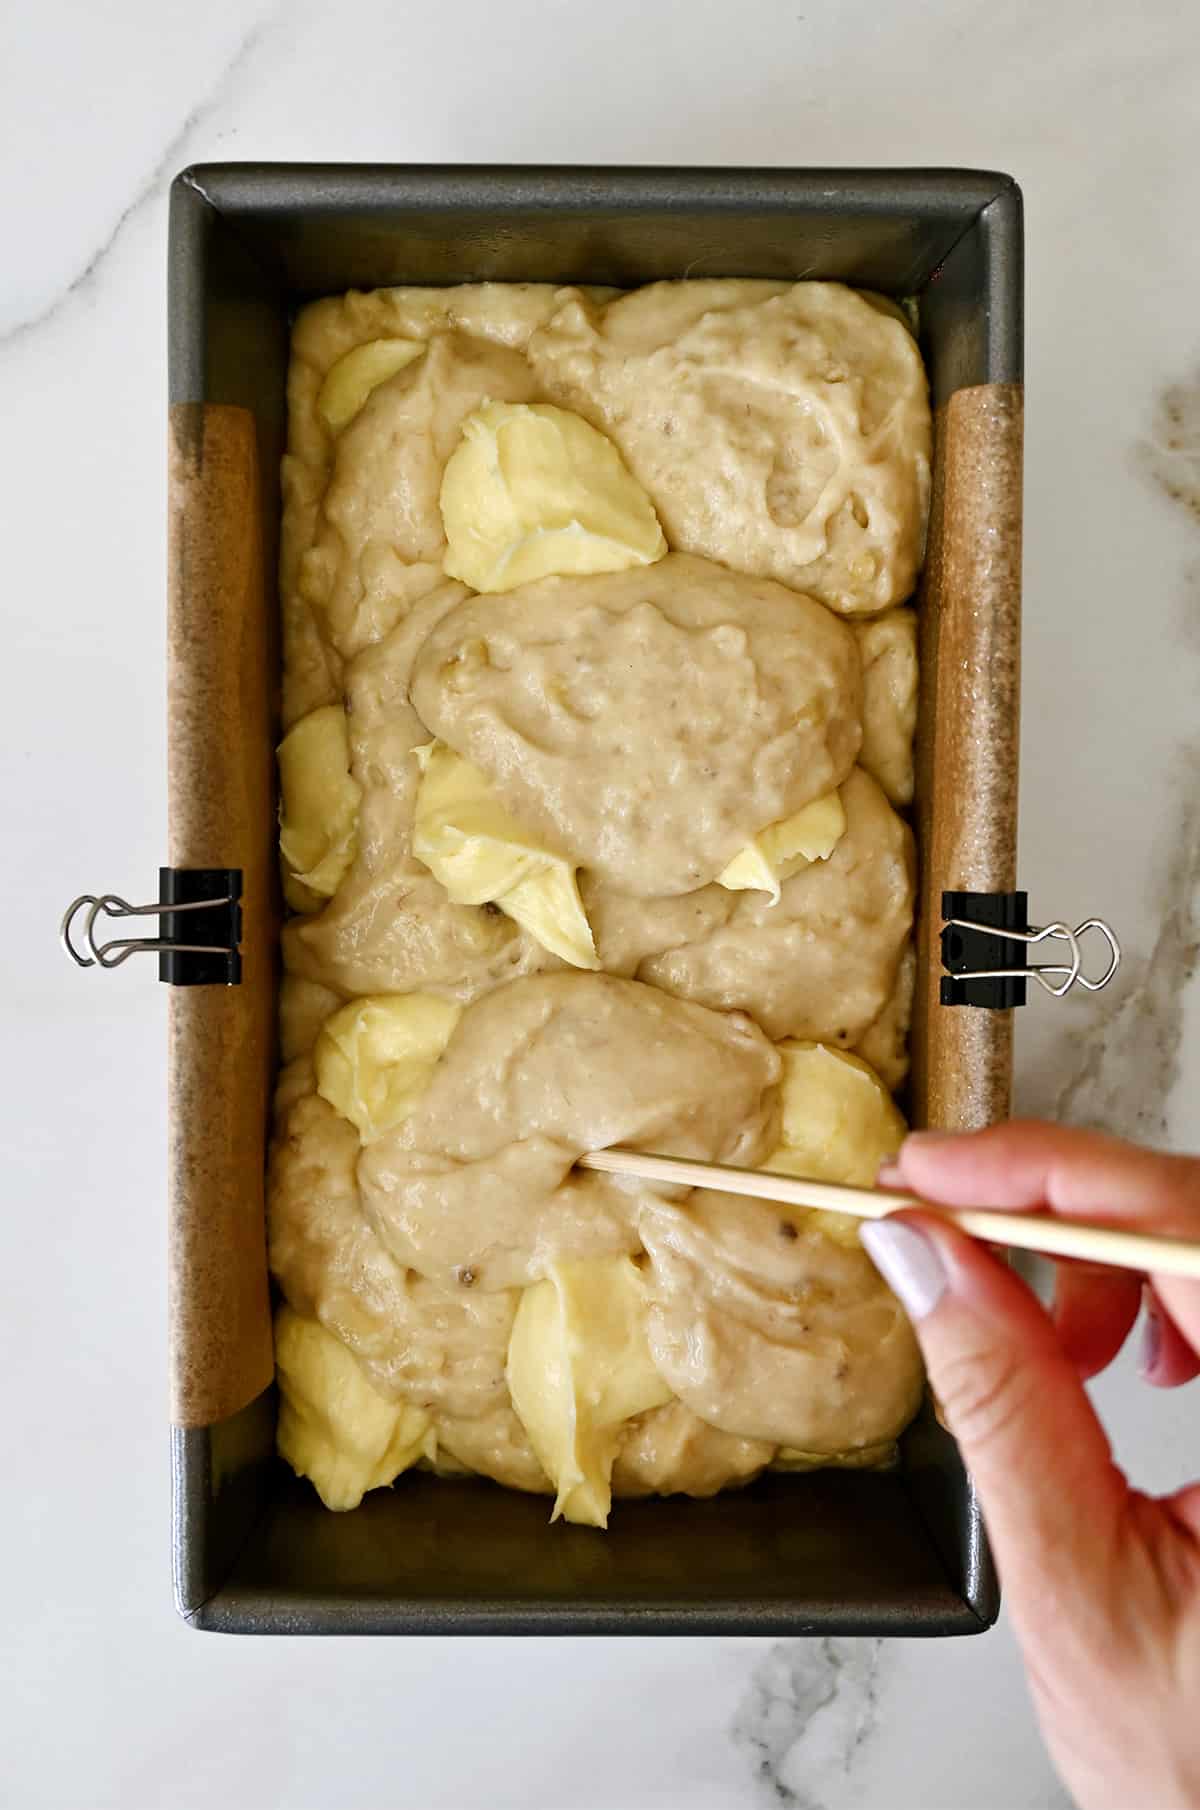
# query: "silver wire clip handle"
[[200, 927], [986, 944], [1072, 971]]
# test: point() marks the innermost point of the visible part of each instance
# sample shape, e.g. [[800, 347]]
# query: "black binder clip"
[[200, 927], [986, 939]]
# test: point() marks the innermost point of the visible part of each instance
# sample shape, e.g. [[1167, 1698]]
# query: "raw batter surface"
[[659, 839]]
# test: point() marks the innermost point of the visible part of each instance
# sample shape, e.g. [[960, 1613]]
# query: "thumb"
[[1012, 1399]]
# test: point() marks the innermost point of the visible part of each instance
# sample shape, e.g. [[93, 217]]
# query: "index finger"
[[1029, 1165]]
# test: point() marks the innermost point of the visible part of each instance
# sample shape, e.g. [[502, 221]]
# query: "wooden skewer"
[[1023, 1231]]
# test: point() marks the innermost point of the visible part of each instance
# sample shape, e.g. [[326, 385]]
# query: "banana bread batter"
[[587, 847]]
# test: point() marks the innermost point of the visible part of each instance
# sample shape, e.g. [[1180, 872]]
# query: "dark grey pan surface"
[[254, 1551]]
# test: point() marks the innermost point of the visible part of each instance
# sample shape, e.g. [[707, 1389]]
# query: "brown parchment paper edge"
[[968, 737], [220, 793]]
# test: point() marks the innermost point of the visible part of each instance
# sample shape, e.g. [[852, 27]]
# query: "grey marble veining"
[[810, 1707], [1121, 1069], [156, 183]]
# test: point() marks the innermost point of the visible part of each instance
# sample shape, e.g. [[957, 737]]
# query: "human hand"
[[1102, 1582]]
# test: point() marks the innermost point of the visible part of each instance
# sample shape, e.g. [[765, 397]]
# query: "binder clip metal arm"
[[986, 943], [200, 927]]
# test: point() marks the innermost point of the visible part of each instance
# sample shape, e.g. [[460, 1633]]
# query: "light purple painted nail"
[[908, 1263]]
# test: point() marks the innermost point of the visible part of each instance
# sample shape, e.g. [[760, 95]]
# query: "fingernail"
[[929, 1138], [908, 1263], [888, 1174], [1152, 1335]]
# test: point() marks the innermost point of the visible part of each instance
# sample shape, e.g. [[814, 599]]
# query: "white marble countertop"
[[108, 1700]]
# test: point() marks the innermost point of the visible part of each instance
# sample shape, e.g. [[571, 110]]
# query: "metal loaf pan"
[[254, 1551]]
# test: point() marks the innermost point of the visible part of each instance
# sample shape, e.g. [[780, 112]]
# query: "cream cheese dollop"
[[349, 382], [334, 1428], [533, 491], [579, 1368], [838, 1124], [782, 849], [320, 799], [482, 855], [374, 1058]]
